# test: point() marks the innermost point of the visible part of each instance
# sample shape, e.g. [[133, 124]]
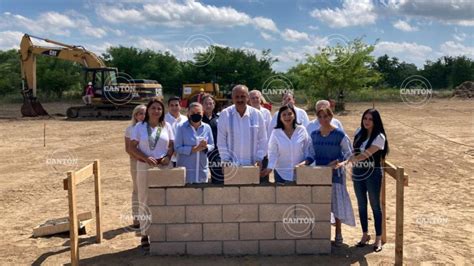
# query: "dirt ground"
[[434, 143]]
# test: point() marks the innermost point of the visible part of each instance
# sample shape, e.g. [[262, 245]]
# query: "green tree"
[[336, 70]]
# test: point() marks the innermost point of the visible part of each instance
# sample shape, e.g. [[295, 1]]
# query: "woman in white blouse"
[[152, 145], [289, 146]]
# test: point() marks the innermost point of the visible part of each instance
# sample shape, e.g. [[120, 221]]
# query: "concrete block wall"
[[245, 219]]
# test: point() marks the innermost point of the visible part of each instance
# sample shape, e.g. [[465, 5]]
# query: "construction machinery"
[[191, 93], [115, 93]]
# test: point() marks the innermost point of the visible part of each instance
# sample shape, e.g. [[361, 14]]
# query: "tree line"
[[322, 75]]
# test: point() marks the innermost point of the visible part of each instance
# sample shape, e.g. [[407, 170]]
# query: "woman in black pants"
[[370, 147]]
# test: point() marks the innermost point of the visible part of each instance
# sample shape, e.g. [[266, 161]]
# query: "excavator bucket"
[[32, 108]]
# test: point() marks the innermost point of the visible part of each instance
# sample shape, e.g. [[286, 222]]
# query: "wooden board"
[[60, 225]]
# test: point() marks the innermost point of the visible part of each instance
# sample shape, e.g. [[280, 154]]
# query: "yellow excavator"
[[115, 93]]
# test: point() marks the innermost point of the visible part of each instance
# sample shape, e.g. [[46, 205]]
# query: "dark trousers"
[[371, 186], [264, 179]]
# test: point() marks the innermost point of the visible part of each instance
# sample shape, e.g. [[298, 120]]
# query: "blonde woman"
[[138, 115]]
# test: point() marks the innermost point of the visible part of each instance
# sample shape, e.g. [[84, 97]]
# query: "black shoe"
[[145, 244], [361, 244]]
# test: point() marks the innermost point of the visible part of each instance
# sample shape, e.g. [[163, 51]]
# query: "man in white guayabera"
[[301, 115], [314, 125], [241, 132]]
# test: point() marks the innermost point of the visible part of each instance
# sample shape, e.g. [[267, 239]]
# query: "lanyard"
[[152, 142]]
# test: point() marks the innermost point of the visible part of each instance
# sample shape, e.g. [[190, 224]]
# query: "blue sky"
[[413, 31]]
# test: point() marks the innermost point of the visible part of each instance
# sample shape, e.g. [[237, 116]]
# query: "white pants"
[[142, 188], [133, 173]]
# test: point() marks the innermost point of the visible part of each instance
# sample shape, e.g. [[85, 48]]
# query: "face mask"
[[196, 118]]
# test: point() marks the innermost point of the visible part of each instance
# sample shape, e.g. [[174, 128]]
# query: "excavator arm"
[[29, 51]]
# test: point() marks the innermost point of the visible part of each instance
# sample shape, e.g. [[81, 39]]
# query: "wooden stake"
[[399, 219], [98, 200], [73, 223]]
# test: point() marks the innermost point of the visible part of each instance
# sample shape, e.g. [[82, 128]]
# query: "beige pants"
[[142, 189], [133, 173]]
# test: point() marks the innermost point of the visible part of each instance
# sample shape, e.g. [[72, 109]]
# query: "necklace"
[[152, 142]]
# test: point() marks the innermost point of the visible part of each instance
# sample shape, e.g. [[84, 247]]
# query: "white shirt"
[[175, 122], [128, 131], [301, 118], [284, 153], [379, 141], [242, 140], [314, 125], [267, 117], [140, 134]]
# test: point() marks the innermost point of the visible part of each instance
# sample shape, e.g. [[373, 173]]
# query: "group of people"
[[246, 134]]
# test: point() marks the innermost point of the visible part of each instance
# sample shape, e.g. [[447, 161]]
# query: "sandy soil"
[[435, 144]]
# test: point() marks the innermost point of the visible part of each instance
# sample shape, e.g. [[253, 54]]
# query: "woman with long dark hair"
[[370, 148], [288, 147], [152, 145]]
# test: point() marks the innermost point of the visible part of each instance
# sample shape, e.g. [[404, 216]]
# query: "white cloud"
[[189, 13], [294, 35], [265, 24], [10, 39], [146, 43], [52, 23], [409, 52], [459, 12], [352, 13], [267, 36], [404, 26], [454, 49]]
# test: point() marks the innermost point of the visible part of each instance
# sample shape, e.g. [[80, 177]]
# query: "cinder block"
[[321, 211], [293, 194], [184, 232], [204, 214], [183, 196], [221, 195], [173, 177], [156, 232], [322, 230], [314, 246], [257, 231], [322, 194], [167, 248], [240, 247], [313, 175], [294, 230], [167, 214], [274, 212], [156, 196], [240, 213], [241, 175], [204, 248], [277, 247], [257, 194], [221, 231]]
